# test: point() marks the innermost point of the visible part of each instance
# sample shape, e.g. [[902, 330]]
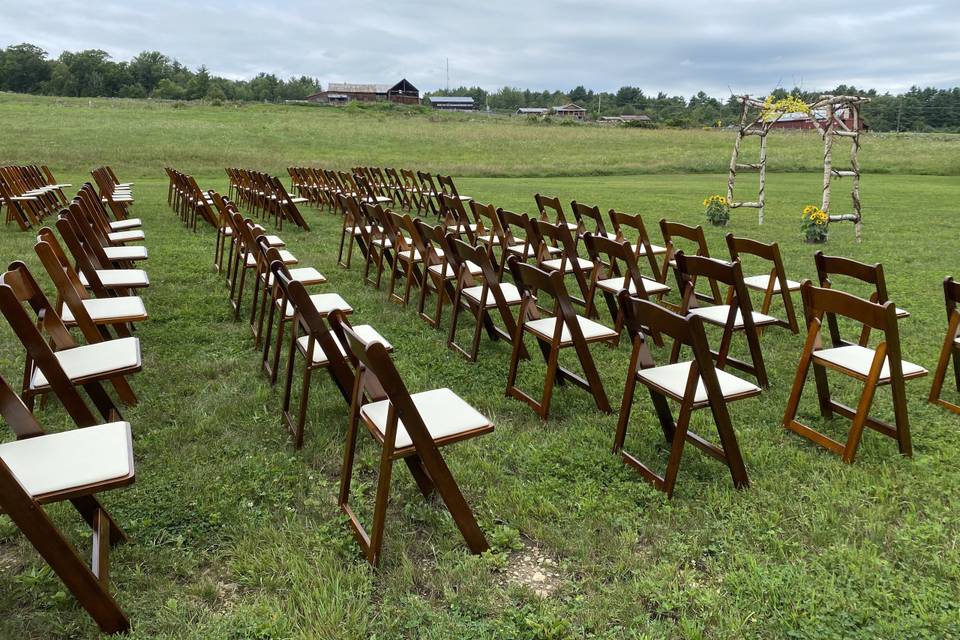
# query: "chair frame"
[[951, 346], [688, 331]]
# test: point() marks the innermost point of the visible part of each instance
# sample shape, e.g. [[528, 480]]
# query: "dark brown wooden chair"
[[736, 316], [562, 330], [951, 346], [567, 261], [589, 219], [264, 289], [829, 267], [309, 334], [380, 250], [102, 279], [411, 427], [282, 313], [429, 194], [877, 367], [353, 230], [673, 231], [552, 211], [39, 468], [615, 268], [490, 234], [773, 283], [694, 384], [470, 264], [60, 364], [440, 272], [407, 261], [456, 220]]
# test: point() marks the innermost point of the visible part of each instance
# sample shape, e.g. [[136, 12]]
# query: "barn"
[[343, 92], [452, 103], [571, 111]]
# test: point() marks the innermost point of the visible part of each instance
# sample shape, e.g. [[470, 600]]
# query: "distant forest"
[[25, 68]]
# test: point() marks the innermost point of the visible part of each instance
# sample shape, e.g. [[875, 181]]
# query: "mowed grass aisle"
[[236, 535]]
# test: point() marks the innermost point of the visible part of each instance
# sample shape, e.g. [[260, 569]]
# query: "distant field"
[[235, 535], [140, 136]]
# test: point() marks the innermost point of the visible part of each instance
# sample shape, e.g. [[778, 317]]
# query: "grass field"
[[236, 535]]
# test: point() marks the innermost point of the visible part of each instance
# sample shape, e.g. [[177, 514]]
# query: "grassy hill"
[[201, 139]]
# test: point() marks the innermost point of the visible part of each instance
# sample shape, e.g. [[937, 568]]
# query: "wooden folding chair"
[[379, 246], [630, 227], [736, 316], [411, 427], [411, 186], [608, 277], [871, 274], [263, 290], [282, 312], [101, 281], [352, 230], [61, 364], [672, 231], [561, 330], [951, 346], [567, 261], [397, 189], [590, 220], [545, 203], [407, 260], [121, 256], [77, 308], [873, 367], [694, 384], [771, 284], [325, 348], [39, 468], [471, 263], [438, 271], [429, 193], [490, 234]]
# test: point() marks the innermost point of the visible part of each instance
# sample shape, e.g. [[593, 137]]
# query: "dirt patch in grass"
[[533, 568]]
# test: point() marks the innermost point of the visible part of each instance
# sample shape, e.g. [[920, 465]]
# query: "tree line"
[[25, 68]]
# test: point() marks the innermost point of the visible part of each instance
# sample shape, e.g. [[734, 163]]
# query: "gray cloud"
[[678, 47]]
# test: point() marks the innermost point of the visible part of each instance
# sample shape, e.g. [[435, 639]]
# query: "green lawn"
[[234, 534]]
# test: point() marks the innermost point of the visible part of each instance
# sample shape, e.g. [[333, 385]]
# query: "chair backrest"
[[455, 215], [728, 273], [951, 294], [560, 236], [769, 252], [531, 279], [828, 267], [585, 214], [312, 323], [824, 301], [447, 186], [428, 238], [545, 203], [485, 216], [616, 252], [630, 227]]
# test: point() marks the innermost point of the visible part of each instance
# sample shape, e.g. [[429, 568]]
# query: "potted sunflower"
[[717, 210], [815, 224]]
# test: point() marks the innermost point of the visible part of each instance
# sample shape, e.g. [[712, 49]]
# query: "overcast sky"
[[678, 47]]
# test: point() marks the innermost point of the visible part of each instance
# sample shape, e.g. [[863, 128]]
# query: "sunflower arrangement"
[[717, 210], [815, 224], [773, 109]]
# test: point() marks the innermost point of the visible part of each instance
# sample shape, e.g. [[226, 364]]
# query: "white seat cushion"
[[126, 236], [366, 333], [510, 293], [761, 282], [357, 230], [455, 227], [652, 287], [71, 459], [717, 315], [858, 359], [325, 303], [449, 272], [489, 238], [125, 253], [119, 278], [655, 249], [275, 241], [305, 275], [444, 413], [405, 255], [545, 327], [286, 257], [91, 360], [109, 310], [554, 265], [122, 225], [672, 380], [609, 235]]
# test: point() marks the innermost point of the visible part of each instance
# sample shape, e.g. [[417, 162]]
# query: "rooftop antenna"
[[448, 74]]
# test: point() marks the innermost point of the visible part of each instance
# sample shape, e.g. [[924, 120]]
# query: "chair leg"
[[380, 507], [948, 352]]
